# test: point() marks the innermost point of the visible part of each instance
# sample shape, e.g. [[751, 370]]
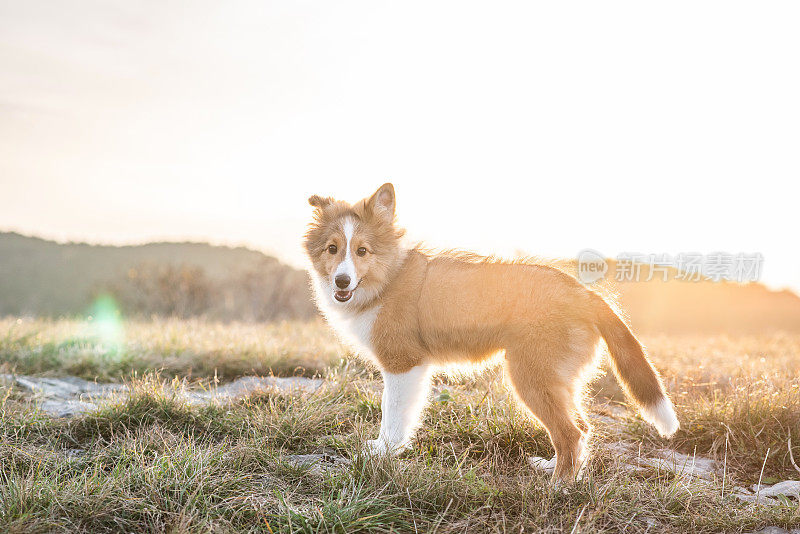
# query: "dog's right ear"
[[382, 202], [318, 201]]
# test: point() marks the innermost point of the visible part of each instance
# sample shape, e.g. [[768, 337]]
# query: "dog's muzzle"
[[343, 295]]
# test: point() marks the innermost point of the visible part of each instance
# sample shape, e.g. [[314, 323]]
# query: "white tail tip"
[[662, 416]]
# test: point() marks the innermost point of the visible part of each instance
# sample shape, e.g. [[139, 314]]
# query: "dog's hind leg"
[[552, 401]]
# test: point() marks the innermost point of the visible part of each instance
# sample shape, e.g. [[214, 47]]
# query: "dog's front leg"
[[404, 398]]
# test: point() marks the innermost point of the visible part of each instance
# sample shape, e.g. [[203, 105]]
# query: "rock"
[[66, 387], [248, 385], [65, 397], [318, 464], [787, 488], [682, 465], [72, 454], [690, 468], [751, 497], [769, 494], [71, 396], [67, 408], [776, 530]]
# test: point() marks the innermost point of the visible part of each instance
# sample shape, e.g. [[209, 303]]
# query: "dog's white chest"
[[356, 329]]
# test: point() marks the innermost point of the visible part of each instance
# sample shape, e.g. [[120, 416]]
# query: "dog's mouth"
[[346, 294], [342, 296]]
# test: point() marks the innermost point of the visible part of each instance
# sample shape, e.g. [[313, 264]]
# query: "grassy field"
[[153, 463]]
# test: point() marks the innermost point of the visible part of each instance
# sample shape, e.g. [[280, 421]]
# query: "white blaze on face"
[[347, 266]]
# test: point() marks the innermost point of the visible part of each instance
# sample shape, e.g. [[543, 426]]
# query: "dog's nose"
[[342, 281]]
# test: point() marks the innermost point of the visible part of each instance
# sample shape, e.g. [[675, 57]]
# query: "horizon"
[[301, 265]]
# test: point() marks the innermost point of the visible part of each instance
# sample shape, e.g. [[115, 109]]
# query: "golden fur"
[[453, 308]]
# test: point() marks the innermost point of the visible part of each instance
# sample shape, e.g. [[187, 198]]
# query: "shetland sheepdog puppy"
[[411, 312]]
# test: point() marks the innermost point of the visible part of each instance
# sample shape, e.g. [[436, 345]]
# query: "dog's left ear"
[[318, 201], [382, 202]]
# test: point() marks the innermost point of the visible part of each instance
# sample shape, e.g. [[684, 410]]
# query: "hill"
[[40, 277]]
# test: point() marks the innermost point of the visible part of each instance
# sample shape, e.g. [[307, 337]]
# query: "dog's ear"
[[382, 202], [318, 201]]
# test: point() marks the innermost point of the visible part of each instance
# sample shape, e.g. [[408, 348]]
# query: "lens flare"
[[105, 322]]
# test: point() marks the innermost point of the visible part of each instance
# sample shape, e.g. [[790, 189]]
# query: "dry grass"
[[744, 390], [156, 464], [187, 348]]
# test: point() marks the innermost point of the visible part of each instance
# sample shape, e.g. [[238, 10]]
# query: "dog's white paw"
[[543, 464], [378, 447], [375, 447]]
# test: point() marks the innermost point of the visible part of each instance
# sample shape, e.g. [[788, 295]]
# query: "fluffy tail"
[[635, 373]]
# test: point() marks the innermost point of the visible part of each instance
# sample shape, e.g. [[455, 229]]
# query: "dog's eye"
[[361, 251], [332, 249]]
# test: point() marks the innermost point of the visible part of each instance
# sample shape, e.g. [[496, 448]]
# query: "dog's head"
[[353, 247]]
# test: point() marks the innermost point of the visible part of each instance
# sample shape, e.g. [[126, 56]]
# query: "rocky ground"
[[195, 426], [68, 397]]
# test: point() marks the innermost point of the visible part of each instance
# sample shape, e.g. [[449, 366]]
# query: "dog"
[[411, 312]]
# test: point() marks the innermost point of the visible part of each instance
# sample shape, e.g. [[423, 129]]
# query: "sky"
[[541, 127]]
